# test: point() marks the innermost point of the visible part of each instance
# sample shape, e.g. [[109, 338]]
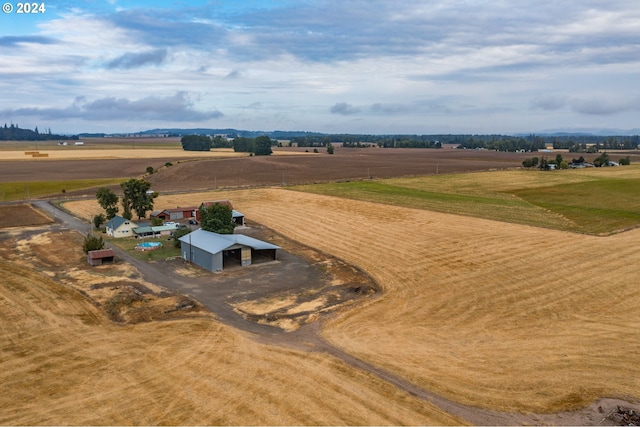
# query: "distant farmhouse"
[[214, 252]]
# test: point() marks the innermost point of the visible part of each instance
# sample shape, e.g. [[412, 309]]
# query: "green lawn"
[[166, 251], [10, 191], [596, 201]]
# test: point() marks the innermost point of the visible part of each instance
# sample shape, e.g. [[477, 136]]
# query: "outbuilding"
[[214, 252], [176, 213], [101, 256]]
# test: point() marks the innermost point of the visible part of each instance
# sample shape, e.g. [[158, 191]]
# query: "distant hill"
[[14, 133]]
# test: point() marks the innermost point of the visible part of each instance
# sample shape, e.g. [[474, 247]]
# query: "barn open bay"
[[490, 314]]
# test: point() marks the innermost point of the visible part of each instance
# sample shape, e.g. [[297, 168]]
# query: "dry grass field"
[[490, 314], [63, 362], [495, 315]]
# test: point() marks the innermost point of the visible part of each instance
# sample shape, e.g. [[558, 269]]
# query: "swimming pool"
[[148, 246]]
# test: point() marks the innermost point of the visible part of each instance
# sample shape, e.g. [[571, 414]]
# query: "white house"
[[120, 227]]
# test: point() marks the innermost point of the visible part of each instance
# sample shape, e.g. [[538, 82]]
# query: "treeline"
[[359, 141], [594, 144], [14, 133], [260, 146]]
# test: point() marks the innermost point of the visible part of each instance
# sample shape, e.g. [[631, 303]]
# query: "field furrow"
[[474, 307]]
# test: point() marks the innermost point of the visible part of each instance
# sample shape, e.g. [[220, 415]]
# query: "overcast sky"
[[430, 66]]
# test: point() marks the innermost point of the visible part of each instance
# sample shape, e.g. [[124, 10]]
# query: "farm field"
[[223, 169], [495, 315], [65, 362], [492, 314], [592, 201]]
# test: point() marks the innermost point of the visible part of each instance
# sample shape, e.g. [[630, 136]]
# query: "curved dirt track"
[[308, 338]]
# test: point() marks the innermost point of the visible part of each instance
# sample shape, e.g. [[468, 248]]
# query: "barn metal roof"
[[214, 242]]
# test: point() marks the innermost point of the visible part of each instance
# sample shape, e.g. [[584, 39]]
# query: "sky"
[[343, 66]]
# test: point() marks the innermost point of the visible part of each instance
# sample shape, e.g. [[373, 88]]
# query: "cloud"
[[176, 108], [344, 109], [389, 108], [548, 103], [136, 60], [605, 107], [234, 74], [13, 41]]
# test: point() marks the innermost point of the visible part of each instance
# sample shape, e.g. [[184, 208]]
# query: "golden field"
[[87, 153], [491, 314], [64, 363]]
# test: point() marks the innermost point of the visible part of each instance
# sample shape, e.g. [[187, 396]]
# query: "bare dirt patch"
[[59, 255], [21, 215]]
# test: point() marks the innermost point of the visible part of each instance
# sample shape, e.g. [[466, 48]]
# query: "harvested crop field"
[[494, 315], [491, 314], [288, 165], [63, 362]]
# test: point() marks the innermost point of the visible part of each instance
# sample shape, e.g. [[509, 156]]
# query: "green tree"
[[156, 221], [196, 143], [92, 243], [558, 159], [108, 201], [137, 197], [244, 145], [149, 170], [98, 220], [330, 148], [263, 146], [178, 234], [217, 218], [602, 160]]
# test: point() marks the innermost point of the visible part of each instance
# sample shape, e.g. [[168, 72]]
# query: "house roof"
[[188, 208], [117, 221], [102, 253], [214, 242], [153, 229]]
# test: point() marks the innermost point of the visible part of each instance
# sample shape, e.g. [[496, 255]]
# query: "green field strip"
[[577, 203], [12, 191]]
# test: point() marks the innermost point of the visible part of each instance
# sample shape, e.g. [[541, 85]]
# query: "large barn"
[[214, 251]]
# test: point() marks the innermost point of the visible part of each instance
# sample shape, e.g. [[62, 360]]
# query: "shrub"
[[98, 220], [92, 243]]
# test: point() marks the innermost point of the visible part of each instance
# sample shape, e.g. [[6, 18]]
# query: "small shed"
[[214, 252], [102, 256]]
